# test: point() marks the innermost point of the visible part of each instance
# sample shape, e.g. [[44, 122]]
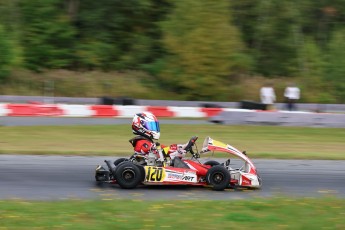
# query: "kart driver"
[[146, 126]]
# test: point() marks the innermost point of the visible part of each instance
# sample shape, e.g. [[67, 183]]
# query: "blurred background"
[[186, 50]]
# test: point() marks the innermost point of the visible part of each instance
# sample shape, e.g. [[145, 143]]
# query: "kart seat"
[[178, 163]]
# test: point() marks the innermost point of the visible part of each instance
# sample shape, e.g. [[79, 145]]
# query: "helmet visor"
[[152, 126]]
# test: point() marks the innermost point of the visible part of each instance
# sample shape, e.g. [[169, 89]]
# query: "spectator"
[[292, 95], [267, 96]]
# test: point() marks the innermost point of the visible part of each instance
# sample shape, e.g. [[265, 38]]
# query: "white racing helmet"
[[146, 124]]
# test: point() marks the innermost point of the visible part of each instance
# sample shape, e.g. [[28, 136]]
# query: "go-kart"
[[149, 170]]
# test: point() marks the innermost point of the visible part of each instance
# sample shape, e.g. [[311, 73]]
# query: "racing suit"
[[143, 145]]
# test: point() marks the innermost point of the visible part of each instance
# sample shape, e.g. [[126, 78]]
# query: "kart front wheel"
[[120, 160], [128, 175], [218, 177]]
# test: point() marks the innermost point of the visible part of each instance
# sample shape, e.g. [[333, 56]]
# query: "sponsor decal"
[[185, 176], [188, 178], [174, 176], [246, 181]]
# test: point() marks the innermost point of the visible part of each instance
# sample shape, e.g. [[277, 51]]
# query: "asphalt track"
[[67, 177], [72, 177]]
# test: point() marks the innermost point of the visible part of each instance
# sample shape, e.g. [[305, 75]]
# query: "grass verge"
[[259, 141], [274, 213]]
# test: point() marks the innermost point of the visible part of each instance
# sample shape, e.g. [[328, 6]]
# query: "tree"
[[48, 36], [6, 54], [335, 70], [277, 38], [312, 70], [119, 34], [9, 15], [203, 49]]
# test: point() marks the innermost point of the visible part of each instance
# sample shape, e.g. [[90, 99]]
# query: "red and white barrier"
[[65, 110], [3, 110]]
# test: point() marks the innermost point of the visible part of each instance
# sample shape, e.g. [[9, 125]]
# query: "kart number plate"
[[154, 174]]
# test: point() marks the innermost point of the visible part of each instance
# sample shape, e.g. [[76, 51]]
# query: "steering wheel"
[[189, 147]]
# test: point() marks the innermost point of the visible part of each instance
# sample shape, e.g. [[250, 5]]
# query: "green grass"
[[274, 213], [258, 141]]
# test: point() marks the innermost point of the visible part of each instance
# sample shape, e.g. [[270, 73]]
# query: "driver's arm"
[[175, 150], [180, 150]]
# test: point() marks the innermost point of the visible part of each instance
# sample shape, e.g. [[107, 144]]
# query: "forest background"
[[222, 50]]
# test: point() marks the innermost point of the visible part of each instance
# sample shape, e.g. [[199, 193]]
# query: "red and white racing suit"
[[143, 145]]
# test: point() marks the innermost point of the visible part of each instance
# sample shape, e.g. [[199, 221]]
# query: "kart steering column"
[[191, 143], [160, 151]]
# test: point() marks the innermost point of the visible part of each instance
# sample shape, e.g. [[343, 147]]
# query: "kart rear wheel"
[[218, 177], [211, 163], [128, 175]]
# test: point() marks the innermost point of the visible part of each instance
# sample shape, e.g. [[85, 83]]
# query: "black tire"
[[211, 162], [128, 175], [142, 172], [118, 161], [218, 177]]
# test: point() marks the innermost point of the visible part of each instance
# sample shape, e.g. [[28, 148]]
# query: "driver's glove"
[[178, 153], [182, 146], [182, 152]]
